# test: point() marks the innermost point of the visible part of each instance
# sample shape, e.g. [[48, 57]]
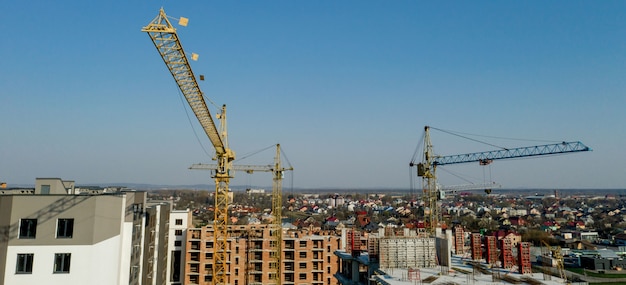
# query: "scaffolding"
[[407, 252], [414, 274]]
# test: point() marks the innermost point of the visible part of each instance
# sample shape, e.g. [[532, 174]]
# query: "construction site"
[[224, 254], [438, 254], [407, 258]]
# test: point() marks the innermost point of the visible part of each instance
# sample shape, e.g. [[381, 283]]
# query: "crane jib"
[[557, 148], [165, 39]]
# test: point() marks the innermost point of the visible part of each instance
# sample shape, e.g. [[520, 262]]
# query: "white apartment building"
[[180, 221], [56, 237]]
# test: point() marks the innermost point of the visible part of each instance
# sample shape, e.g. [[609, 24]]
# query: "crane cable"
[[181, 96], [460, 134], [286, 158], [417, 151], [468, 138], [254, 153], [457, 175]]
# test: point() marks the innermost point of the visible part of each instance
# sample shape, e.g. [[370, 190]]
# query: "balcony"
[[192, 274], [194, 268], [194, 234], [193, 280], [194, 245], [194, 256]]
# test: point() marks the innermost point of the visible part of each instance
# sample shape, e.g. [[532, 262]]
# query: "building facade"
[[307, 258], [55, 237], [180, 221]]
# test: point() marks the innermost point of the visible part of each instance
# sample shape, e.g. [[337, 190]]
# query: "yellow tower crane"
[[276, 233], [556, 255], [165, 39]]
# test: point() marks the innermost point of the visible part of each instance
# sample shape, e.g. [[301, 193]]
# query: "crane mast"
[[555, 253], [276, 232], [165, 39], [427, 168], [429, 182]]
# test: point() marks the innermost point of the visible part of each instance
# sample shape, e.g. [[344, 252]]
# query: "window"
[[303, 254], [45, 189], [24, 263], [179, 222], [303, 243], [28, 228], [62, 262], [302, 276], [177, 243], [302, 265], [65, 228], [178, 232], [137, 211]]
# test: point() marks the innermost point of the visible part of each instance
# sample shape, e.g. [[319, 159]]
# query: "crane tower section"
[[165, 39], [278, 171]]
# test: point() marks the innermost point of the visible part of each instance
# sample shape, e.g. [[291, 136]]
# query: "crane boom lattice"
[[165, 39], [167, 43], [519, 152]]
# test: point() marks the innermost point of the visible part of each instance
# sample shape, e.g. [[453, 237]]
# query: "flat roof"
[[464, 275]]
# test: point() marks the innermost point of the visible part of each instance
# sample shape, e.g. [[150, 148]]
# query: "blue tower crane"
[[426, 169], [486, 157]]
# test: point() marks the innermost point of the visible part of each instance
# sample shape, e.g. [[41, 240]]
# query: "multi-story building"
[[180, 221], [54, 236], [155, 259], [307, 258], [388, 249]]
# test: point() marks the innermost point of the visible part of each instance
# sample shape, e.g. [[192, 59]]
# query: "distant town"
[[58, 229]]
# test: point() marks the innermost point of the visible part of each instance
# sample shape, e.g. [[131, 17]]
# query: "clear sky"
[[346, 88]]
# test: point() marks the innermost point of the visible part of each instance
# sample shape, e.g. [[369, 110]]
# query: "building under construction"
[[368, 253], [306, 257], [403, 256]]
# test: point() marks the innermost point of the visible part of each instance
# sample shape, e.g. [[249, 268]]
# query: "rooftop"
[[461, 272]]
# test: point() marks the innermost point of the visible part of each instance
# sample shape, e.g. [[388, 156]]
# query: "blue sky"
[[345, 87]]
